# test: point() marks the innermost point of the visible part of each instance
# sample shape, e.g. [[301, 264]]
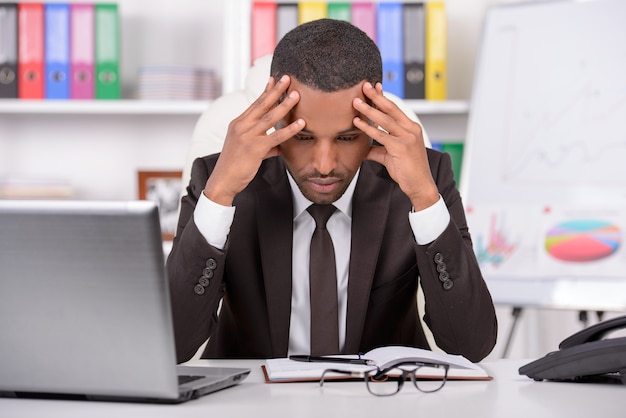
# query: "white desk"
[[508, 395]]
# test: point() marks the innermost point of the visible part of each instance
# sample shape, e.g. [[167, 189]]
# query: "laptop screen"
[[84, 303]]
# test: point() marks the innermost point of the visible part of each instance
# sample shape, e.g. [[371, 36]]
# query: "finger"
[[268, 99], [377, 154], [373, 131], [273, 116], [281, 135], [383, 111]]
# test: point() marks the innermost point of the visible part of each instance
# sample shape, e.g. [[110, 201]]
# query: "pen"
[[323, 359]]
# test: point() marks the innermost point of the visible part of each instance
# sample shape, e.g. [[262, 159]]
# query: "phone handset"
[[594, 333]]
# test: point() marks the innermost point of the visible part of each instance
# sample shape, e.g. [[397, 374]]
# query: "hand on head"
[[247, 143], [402, 152]]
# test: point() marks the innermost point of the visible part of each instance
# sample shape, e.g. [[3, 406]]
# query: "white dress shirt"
[[214, 221]]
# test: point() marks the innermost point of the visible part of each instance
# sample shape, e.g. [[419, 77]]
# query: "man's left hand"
[[402, 152]]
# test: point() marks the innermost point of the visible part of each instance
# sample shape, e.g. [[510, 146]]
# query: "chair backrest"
[[210, 130]]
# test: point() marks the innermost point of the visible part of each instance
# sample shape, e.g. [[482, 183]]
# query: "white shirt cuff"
[[213, 221], [429, 223]]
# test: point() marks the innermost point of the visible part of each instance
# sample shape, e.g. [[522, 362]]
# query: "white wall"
[[101, 153]]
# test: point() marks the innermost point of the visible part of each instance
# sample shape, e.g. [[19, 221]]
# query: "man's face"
[[324, 157]]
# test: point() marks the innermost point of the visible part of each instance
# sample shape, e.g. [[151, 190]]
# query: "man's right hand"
[[247, 144]]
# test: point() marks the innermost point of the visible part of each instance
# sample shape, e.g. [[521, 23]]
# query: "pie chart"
[[582, 240]]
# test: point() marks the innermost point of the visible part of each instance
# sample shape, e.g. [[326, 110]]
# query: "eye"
[[346, 137], [304, 137]]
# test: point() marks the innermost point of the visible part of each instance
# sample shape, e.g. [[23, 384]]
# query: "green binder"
[[339, 11], [107, 51]]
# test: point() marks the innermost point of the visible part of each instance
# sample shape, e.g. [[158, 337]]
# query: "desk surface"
[[508, 395]]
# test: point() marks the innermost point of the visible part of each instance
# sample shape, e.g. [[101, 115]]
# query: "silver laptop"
[[85, 309]]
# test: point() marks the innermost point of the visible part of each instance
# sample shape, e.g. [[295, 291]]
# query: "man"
[[240, 265]]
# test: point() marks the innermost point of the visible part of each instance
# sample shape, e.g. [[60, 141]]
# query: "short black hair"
[[327, 55]]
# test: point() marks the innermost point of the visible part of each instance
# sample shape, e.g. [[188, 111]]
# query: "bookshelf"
[[98, 146], [94, 107], [445, 121]]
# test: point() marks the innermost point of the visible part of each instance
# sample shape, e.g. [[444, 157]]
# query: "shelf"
[[176, 107], [103, 107], [444, 107]]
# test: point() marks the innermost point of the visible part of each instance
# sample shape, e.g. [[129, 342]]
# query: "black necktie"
[[323, 285]]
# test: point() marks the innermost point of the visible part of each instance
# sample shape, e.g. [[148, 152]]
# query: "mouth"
[[323, 185]]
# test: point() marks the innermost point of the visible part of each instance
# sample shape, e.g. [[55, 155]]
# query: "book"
[[414, 50], [30, 64], [81, 51], [286, 18], [57, 50], [339, 11], [311, 10], [107, 52], [29, 188], [263, 29], [364, 17], [283, 370], [435, 66], [8, 50], [390, 42]]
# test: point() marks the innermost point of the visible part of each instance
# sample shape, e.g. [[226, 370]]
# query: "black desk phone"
[[585, 357]]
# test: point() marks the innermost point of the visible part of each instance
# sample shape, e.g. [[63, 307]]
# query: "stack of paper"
[[21, 188], [177, 83]]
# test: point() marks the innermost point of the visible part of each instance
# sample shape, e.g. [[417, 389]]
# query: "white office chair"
[[210, 130]]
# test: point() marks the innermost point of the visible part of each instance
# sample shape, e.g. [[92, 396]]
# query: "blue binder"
[[57, 51], [390, 33]]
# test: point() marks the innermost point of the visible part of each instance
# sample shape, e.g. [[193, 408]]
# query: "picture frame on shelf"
[[162, 187]]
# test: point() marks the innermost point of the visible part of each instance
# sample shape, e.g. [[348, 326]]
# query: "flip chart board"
[[544, 169]]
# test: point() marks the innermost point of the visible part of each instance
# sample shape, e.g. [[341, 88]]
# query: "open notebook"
[[287, 370], [85, 307]]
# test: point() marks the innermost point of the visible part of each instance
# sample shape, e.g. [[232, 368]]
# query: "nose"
[[325, 155]]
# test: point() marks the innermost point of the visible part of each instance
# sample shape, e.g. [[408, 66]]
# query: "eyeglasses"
[[389, 381]]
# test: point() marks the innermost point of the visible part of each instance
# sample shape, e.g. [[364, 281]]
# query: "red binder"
[[30, 65], [263, 29]]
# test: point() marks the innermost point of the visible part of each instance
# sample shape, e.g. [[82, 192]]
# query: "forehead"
[[321, 109]]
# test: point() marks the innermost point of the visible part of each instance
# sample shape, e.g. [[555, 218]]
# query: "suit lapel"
[[370, 208], [275, 228]]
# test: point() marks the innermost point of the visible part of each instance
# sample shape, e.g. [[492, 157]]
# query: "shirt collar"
[[301, 203]]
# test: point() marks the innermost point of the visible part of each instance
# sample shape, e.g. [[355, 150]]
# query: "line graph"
[[548, 113]]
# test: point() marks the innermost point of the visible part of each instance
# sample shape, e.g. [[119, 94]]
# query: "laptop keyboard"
[[182, 379]]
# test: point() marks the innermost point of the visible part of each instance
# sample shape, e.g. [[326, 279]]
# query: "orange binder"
[[263, 29], [30, 64]]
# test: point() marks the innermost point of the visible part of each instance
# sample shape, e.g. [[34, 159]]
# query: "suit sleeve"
[[195, 273], [458, 306]]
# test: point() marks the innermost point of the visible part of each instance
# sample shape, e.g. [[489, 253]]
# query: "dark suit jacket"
[[252, 275]]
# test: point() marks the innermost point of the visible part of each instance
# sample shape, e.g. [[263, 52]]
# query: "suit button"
[[203, 281], [208, 273], [211, 263], [441, 267], [443, 276], [438, 258], [199, 289], [447, 285]]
